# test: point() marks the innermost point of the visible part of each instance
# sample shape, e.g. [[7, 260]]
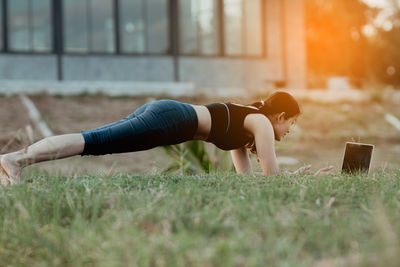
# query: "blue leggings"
[[158, 123]]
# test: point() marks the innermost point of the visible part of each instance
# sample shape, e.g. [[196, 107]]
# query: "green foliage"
[[219, 220], [384, 54], [193, 158]]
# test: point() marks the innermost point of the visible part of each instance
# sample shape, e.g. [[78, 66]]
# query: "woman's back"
[[227, 125]]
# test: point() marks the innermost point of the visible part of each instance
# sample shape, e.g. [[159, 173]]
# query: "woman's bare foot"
[[10, 172], [4, 179]]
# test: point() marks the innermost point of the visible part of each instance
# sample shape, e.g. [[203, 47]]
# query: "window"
[[203, 31], [18, 25], [102, 26], [75, 26], [89, 26], [157, 26], [132, 26], [41, 25], [206, 27], [29, 25], [243, 27], [198, 27], [144, 26]]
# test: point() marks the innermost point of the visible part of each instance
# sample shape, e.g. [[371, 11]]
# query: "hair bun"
[[259, 104]]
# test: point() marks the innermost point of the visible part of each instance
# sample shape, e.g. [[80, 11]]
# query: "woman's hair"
[[278, 102]]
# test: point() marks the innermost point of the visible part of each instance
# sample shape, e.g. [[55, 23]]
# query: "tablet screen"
[[357, 157]]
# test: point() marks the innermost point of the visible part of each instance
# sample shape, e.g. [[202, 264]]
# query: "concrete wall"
[[228, 72], [32, 67], [285, 60], [118, 68], [295, 44]]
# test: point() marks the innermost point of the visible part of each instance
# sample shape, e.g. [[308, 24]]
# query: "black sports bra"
[[227, 129]]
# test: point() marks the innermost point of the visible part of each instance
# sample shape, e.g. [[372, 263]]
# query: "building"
[[213, 43]]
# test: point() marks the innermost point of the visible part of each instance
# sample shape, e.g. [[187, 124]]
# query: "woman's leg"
[[50, 148], [166, 122], [162, 122]]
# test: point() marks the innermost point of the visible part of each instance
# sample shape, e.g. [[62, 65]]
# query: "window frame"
[[221, 33], [117, 37], [3, 26], [88, 20], [5, 31], [173, 32], [169, 30]]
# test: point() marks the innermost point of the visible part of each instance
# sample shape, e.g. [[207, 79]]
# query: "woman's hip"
[[161, 122]]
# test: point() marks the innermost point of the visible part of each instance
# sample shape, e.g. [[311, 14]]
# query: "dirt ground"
[[318, 138]]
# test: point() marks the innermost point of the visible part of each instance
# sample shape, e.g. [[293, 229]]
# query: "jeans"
[[158, 123]]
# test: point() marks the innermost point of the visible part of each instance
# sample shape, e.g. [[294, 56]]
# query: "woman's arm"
[[261, 128], [241, 161], [263, 133], [265, 144]]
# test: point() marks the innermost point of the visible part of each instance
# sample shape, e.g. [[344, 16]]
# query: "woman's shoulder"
[[257, 122]]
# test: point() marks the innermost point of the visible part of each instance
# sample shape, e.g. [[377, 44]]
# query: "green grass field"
[[215, 220]]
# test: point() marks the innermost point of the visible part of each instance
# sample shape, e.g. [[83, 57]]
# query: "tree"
[[384, 53], [335, 43]]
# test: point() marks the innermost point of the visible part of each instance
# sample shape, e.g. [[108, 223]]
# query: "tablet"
[[357, 157]]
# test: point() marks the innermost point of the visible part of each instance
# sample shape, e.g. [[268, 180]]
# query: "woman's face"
[[281, 125]]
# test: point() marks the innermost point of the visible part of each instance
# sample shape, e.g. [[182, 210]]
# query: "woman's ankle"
[[16, 159], [11, 167]]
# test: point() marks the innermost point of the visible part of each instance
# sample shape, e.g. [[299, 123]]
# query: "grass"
[[216, 220]]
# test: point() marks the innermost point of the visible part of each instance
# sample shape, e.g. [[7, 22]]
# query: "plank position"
[[229, 126]]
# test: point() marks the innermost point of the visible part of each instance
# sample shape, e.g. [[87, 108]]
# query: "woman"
[[164, 122]]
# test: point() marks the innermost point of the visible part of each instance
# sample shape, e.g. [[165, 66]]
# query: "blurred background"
[[358, 40], [84, 63], [258, 43]]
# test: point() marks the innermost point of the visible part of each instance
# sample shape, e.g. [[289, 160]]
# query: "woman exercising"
[[229, 126]]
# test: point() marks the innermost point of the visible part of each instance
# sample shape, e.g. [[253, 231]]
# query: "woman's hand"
[[303, 169], [306, 169], [323, 171]]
